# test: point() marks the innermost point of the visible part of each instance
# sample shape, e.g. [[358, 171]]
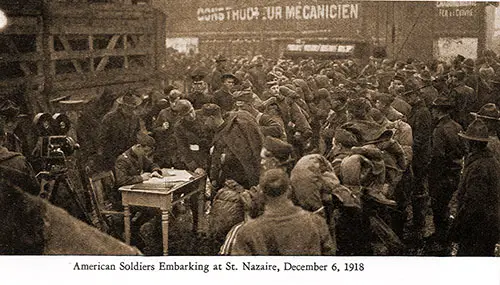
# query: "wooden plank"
[[96, 30], [21, 57], [125, 48], [64, 55], [91, 50], [105, 59]]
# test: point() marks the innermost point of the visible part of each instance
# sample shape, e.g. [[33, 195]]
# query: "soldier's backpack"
[[227, 209]]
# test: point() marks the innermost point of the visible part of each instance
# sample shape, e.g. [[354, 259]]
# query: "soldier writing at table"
[[134, 165]]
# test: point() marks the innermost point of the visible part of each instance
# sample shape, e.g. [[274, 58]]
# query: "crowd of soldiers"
[[317, 157]]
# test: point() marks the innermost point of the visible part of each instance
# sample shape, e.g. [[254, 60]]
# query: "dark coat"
[[478, 216], [129, 166], [118, 133], [236, 154], [270, 126], [15, 168], [258, 78], [166, 145], [429, 94], [225, 100], [293, 118], [199, 98], [420, 120], [193, 143], [465, 100], [289, 230], [447, 147], [216, 79]]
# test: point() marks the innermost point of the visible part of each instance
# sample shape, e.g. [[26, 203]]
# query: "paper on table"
[[171, 175], [169, 180]]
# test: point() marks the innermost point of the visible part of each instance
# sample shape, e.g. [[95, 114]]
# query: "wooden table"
[[162, 197]]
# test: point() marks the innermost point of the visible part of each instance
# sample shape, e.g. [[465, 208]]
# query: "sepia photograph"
[[204, 128]]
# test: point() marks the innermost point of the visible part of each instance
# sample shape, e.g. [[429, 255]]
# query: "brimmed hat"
[[129, 98], [278, 148], [442, 103], [488, 111], [476, 131]]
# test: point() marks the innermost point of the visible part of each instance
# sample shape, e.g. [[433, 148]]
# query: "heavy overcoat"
[[118, 133], [478, 216], [237, 145]]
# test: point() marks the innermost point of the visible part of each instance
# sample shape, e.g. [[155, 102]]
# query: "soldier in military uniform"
[[236, 147], [490, 114], [192, 139], [464, 98], [119, 129], [216, 80], [477, 227], [200, 90], [269, 126], [444, 169], [420, 120], [134, 165], [223, 96]]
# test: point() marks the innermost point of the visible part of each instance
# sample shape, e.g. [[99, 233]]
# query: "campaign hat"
[[442, 103], [476, 131], [129, 98], [488, 111]]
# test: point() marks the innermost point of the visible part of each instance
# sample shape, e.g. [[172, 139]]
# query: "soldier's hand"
[[200, 171], [156, 174], [146, 176]]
